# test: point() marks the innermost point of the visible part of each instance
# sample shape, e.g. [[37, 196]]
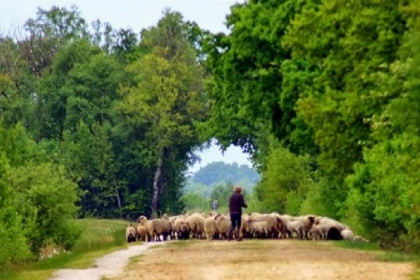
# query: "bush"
[[285, 181]]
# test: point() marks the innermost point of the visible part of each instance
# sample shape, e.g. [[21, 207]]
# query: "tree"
[[245, 89], [286, 181], [383, 201], [50, 31], [165, 98], [38, 199], [346, 48]]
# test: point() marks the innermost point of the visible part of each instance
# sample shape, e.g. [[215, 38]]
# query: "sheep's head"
[[311, 219], [185, 227], [141, 219]]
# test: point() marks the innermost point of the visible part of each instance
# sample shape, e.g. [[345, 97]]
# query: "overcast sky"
[[134, 14]]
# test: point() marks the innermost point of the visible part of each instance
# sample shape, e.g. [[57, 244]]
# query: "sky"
[[137, 15]]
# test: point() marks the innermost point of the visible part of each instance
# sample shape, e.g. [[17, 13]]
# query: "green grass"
[[367, 246], [98, 238], [416, 274]]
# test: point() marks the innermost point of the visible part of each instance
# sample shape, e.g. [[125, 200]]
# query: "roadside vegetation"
[[98, 237]]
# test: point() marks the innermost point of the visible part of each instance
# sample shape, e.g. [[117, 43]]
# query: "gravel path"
[[109, 265]]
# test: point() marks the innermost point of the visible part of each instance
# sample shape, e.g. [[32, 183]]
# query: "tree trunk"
[[157, 184], [118, 195]]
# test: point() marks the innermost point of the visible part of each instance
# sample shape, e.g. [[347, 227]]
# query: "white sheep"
[[295, 226], [166, 226], [223, 225], [196, 224], [210, 228], [347, 234], [308, 221], [130, 233], [329, 228], [258, 229], [272, 222]]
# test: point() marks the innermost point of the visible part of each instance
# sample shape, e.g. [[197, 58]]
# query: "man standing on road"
[[215, 205], [236, 202]]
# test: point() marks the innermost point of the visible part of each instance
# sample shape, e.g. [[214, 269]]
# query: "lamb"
[[141, 233], [130, 234], [154, 228], [271, 220]]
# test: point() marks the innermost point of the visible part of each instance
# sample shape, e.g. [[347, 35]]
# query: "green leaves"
[[37, 198]]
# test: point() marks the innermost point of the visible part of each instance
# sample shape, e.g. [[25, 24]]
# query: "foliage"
[[196, 202], [383, 200], [164, 98], [98, 237], [285, 182], [37, 198]]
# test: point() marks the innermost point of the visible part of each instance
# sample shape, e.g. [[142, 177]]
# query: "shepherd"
[[236, 202]]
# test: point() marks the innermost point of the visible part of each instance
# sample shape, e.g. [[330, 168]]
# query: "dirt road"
[[260, 259], [107, 266]]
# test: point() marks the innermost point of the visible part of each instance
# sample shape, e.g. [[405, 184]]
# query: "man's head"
[[237, 189]]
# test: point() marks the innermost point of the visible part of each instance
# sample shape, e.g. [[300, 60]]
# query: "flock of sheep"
[[256, 225]]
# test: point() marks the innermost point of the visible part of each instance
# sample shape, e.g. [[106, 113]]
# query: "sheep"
[[295, 226], [130, 234], [154, 228], [347, 234], [358, 238], [181, 229], [210, 228], [272, 222], [166, 226], [196, 224], [141, 233], [258, 229], [245, 231], [329, 228], [281, 225], [308, 221], [223, 225], [315, 232], [172, 220]]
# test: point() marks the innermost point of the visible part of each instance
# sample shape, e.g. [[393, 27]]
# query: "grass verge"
[[385, 255], [98, 238]]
